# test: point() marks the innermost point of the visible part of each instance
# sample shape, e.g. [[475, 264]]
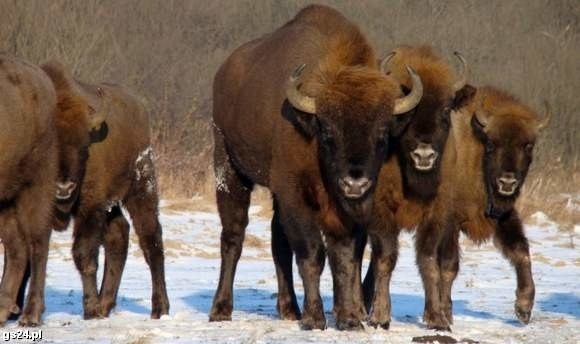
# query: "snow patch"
[[220, 178]]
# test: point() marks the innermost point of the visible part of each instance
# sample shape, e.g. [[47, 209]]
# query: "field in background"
[[168, 51]]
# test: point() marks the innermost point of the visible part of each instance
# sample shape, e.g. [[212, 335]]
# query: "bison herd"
[[352, 148]]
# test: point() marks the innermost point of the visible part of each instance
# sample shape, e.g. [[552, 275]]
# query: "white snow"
[[483, 295]]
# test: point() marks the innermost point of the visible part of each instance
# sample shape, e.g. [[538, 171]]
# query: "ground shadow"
[[71, 302], [248, 300], [406, 308], [563, 303]]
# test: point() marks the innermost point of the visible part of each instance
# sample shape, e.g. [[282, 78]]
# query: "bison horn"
[[464, 75], [385, 62], [295, 97], [547, 116], [408, 102]]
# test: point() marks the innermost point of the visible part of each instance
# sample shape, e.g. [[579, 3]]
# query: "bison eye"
[[529, 147], [489, 147], [326, 135]]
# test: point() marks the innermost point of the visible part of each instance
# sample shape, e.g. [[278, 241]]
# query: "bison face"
[[509, 144], [352, 135], [75, 135], [421, 140]]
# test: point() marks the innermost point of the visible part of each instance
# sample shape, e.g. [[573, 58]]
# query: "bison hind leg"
[[233, 192], [116, 244]]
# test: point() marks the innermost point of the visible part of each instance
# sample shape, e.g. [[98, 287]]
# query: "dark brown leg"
[[513, 243], [427, 246], [287, 305], [16, 257], [116, 244], [360, 242], [383, 233], [88, 232], [342, 259], [368, 286], [34, 209], [21, 290], [448, 268], [233, 198], [142, 204], [306, 243]]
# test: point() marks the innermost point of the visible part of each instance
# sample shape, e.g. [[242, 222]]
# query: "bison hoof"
[[93, 313], [376, 324], [29, 321], [438, 323], [310, 323], [523, 315], [349, 324], [289, 313], [215, 316], [159, 310]]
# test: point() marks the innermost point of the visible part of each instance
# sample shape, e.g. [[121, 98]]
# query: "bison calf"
[[94, 181]]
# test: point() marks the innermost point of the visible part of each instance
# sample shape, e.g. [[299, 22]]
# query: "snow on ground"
[[483, 293]]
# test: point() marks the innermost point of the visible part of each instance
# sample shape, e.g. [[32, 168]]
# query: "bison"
[[316, 137], [28, 169], [95, 181], [487, 158], [409, 179]]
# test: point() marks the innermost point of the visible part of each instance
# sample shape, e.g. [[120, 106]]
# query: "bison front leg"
[[16, 256], [287, 305], [342, 258], [448, 268], [233, 193], [513, 243], [427, 247], [34, 209], [116, 244], [383, 233], [306, 243], [87, 239]]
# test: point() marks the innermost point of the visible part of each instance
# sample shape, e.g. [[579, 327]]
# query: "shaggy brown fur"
[[467, 200], [261, 139], [404, 194], [116, 172], [28, 155]]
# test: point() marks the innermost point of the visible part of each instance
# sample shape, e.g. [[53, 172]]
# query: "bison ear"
[[99, 134], [464, 96], [400, 124], [305, 123]]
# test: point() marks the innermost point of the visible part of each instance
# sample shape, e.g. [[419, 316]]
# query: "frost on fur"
[[144, 169], [220, 178]]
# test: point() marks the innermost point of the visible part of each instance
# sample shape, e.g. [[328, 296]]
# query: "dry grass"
[[168, 51]]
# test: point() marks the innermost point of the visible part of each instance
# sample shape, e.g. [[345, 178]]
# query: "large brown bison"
[[28, 168], [487, 158], [409, 179], [94, 181], [317, 139]]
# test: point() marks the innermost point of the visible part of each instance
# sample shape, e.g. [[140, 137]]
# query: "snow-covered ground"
[[483, 294]]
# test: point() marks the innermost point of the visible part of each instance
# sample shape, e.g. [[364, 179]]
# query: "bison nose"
[[507, 184], [354, 187], [64, 190], [424, 157]]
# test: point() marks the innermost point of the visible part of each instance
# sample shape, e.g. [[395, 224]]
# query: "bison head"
[[79, 123], [78, 126], [422, 135], [350, 118], [509, 140]]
